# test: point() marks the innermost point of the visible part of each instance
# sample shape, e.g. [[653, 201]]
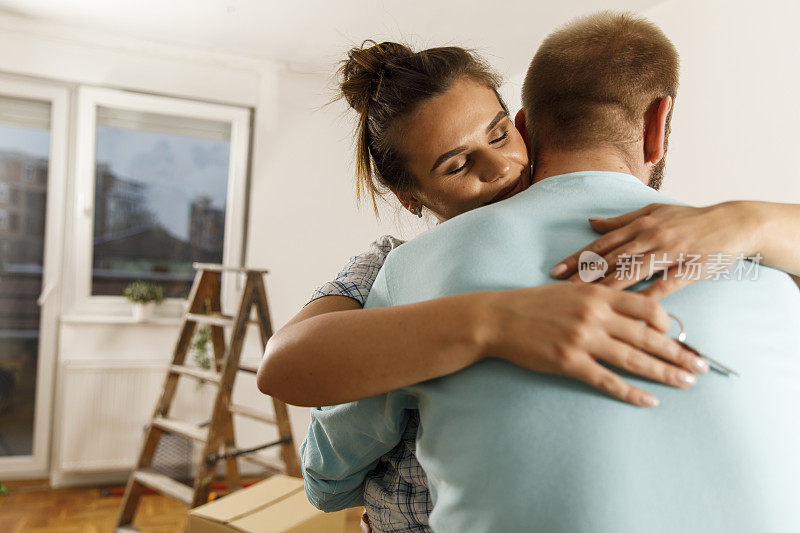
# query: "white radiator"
[[105, 406]]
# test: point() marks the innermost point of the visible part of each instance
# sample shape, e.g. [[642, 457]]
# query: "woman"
[[475, 158]]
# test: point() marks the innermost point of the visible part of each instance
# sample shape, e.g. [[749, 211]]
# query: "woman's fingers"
[[668, 283], [604, 225], [596, 375], [640, 307], [617, 232], [626, 357], [600, 246], [636, 335], [626, 265]]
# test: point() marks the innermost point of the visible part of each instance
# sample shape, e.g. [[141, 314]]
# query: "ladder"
[[218, 436]]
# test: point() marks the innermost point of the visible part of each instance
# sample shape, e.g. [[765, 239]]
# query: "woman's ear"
[[520, 123], [409, 201], [655, 132]]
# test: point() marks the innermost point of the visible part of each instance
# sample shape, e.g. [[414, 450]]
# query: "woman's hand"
[[334, 352], [564, 328], [687, 244]]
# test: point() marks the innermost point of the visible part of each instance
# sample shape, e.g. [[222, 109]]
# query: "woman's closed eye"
[[502, 138], [459, 169], [496, 140]]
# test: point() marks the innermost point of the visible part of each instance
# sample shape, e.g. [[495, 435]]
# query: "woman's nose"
[[494, 167]]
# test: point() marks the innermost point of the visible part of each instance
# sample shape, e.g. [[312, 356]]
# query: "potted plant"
[[201, 349], [145, 295]]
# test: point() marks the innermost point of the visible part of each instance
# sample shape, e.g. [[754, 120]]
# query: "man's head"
[[605, 80]]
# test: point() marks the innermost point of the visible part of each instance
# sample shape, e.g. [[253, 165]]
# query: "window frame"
[[80, 299]]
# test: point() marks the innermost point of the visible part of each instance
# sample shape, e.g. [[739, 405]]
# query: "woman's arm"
[[334, 353], [730, 228], [778, 240]]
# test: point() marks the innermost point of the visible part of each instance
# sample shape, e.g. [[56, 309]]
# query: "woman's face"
[[464, 151]]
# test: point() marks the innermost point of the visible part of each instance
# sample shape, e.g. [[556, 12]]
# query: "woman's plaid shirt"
[[396, 492]]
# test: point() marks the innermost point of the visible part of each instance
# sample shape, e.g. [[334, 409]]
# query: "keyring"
[[682, 334], [712, 363]]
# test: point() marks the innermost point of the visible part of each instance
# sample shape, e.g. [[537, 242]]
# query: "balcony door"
[[33, 131]]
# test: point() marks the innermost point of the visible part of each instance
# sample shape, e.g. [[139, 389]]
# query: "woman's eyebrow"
[[500, 116], [447, 155], [455, 151]]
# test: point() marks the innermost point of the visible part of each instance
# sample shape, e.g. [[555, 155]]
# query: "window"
[[4, 195], [159, 199], [166, 181]]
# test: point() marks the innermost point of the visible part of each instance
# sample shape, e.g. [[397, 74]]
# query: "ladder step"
[[213, 319], [225, 268], [217, 319], [245, 367], [270, 463], [252, 413], [167, 485], [187, 429], [197, 372]]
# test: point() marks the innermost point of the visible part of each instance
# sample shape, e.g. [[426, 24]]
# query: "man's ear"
[[520, 123], [655, 130]]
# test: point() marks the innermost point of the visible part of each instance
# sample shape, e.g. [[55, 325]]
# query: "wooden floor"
[[32, 507]]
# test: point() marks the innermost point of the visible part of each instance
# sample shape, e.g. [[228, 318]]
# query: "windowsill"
[[120, 319]]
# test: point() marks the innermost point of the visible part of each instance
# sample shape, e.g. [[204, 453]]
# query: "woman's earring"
[[416, 211]]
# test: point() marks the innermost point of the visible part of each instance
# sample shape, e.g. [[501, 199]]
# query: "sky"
[[31, 141], [176, 170]]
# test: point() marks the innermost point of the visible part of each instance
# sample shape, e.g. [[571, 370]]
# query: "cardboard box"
[[275, 505]]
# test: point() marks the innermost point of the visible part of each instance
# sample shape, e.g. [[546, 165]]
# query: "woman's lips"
[[508, 192]]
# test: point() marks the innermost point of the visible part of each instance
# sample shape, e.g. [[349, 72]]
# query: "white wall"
[[735, 122]]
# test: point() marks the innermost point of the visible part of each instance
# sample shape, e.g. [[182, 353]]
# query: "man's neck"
[[554, 163]]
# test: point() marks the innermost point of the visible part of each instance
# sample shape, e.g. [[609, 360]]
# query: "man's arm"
[[344, 443]]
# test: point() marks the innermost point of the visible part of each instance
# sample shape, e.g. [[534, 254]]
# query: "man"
[[510, 450]]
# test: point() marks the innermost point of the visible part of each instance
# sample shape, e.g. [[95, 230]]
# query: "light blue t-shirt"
[[510, 450]]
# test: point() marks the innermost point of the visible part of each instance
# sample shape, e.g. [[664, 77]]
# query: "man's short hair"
[[593, 79]]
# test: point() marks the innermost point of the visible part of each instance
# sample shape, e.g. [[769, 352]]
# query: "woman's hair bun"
[[361, 73]]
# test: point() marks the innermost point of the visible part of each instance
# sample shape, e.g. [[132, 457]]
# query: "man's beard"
[[657, 175]]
